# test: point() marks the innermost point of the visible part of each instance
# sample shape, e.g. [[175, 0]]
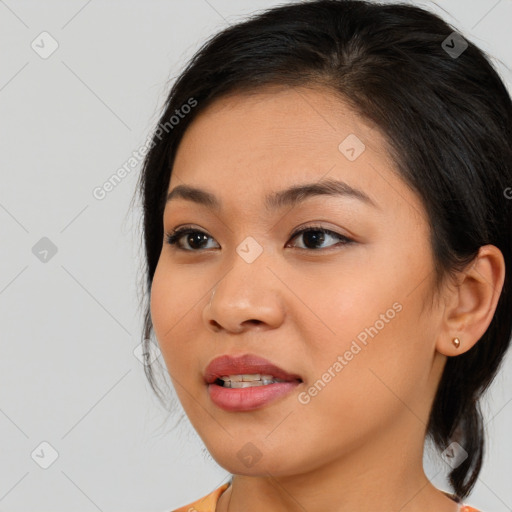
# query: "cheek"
[[161, 304], [356, 390], [169, 307], [370, 340], [382, 365], [172, 299]]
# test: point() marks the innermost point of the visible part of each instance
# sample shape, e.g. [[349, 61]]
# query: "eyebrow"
[[276, 200]]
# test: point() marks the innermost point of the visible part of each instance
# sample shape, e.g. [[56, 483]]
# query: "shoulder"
[[208, 503]]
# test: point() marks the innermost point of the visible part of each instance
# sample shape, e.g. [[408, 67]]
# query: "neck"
[[387, 476]]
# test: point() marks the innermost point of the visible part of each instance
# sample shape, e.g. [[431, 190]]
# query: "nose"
[[249, 295]]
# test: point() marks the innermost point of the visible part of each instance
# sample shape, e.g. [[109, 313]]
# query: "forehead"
[[280, 120], [253, 143]]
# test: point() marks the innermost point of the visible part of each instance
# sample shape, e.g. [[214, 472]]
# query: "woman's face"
[[351, 319]]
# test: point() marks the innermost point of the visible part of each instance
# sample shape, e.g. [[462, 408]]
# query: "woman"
[[327, 223]]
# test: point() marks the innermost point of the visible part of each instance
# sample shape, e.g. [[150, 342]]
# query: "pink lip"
[[246, 399], [245, 364]]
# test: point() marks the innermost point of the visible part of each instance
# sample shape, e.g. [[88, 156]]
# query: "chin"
[[249, 461]]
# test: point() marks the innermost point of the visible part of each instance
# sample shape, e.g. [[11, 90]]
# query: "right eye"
[[191, 236]]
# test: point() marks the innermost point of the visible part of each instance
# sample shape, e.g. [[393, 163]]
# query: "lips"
[[245, 364]]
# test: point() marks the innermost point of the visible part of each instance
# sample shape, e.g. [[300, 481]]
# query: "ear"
[[472, 301]]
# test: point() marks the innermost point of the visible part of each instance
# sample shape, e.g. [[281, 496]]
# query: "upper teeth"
[[248, 380]]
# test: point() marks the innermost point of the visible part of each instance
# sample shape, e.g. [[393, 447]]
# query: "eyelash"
[[174, 237]]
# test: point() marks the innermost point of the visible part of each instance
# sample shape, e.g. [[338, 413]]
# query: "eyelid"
[[318, 227]]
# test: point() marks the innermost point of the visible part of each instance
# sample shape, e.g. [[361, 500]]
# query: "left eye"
[[317, 235], [312, 236]]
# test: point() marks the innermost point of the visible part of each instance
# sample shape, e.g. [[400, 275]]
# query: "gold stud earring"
[[456, 342]]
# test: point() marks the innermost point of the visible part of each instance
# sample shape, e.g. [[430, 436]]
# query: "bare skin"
[[356, 445]]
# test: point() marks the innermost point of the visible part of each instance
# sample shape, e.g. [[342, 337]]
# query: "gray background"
[[70, 324]]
